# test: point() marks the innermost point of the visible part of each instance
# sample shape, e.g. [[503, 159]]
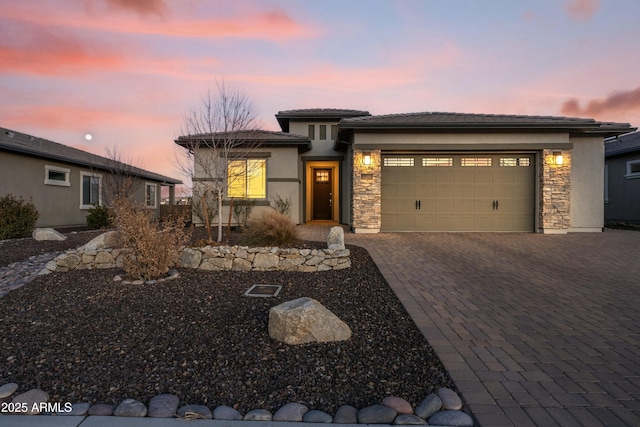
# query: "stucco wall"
[[58, 205], [587, 184], [623, 201], [282, 180]]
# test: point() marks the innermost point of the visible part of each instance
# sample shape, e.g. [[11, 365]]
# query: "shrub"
[[17, 217], [151, 250], [99, 217], [242, 209], [281, 205], [270, 228]]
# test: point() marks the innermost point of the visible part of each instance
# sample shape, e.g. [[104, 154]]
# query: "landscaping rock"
[[398, 404], [335, 238], [376, 414], [451, 418], [266, 261], [226, 413], [163, 406], [346, 414], [110, 239], [101, 409], [8, 389], [290, 412], [315, 416], [258, 415], [195, 412], [41, 234], [450, 399], [409, 420], [429, 406], [32, 400], [130, 408], [190, 258], [305, 320], [77, 409]]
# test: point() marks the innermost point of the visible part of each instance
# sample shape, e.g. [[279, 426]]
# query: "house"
[[434, 171], [64, 183], [622, 178]]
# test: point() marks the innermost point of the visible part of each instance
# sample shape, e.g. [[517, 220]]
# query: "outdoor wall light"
[[558, 158], [366, 159]]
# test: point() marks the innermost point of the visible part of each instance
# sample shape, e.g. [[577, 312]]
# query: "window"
[[521, 161], [312, 132], [54, 175], [633, 169], [150, 197], [476, 161], [398, 161], [323, 132], [90, 190], [247, 178], [334, 132], [437, 161]]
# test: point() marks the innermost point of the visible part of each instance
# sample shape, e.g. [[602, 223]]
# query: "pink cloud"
[[273, 26], [582, 9], [141, 7], [621, 102]]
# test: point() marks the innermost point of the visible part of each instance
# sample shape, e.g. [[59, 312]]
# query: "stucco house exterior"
[[437, 171], [622, 178], [63, 182]]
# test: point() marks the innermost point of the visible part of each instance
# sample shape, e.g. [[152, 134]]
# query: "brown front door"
[[322, 188]]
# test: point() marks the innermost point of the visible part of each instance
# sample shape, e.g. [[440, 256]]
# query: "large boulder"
[[41, 234], [108, 240], [305, 320], [335, 238]]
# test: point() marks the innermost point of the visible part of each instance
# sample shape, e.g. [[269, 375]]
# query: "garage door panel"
[[485, 195]]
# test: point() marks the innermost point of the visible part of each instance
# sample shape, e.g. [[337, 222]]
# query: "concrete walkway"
[[535, 330]]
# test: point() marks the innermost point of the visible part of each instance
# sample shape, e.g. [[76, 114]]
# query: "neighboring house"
[[64, 183], [622, 178], [435, 171]]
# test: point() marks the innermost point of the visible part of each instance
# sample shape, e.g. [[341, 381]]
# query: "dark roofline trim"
[[137, 172]]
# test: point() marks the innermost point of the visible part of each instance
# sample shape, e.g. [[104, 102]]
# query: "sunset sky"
[[127, 71]]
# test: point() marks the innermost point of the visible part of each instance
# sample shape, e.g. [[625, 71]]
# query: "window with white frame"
[[150, 195], [247, 178], [633, 169], [90, 190], [55, 175]]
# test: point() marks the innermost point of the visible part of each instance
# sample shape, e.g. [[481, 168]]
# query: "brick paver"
[[534, 329]]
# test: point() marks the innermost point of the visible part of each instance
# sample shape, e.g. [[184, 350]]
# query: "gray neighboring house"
[[436, 171], [63, 182], [622, 178]]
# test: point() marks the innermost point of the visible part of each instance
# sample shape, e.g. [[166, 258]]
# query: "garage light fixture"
[[558, 158], [366, 159]]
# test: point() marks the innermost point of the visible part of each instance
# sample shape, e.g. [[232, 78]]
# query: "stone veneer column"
[[366, 192], [555, 193]]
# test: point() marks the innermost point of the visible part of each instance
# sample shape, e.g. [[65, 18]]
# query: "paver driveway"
[[535, 330]]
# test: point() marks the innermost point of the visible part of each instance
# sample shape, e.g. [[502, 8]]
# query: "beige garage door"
[[461, 192]]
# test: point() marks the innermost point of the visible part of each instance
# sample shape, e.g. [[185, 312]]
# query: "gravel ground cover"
[[82, 337]]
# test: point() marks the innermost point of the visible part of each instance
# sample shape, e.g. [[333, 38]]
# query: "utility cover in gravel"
[[83, 338]]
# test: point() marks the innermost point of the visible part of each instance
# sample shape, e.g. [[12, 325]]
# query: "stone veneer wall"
[[239, 258], [555, 193], [366, 196]]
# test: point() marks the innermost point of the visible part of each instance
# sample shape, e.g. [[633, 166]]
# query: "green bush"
[[270, 228], [17, 217], [99, 217]]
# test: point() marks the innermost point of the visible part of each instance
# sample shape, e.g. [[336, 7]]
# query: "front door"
[[322, 189]]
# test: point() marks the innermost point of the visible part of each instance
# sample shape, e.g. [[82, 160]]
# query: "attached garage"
[[475, 172], [458, 192]]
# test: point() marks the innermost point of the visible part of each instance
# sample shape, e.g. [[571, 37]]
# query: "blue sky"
[[127, 71]]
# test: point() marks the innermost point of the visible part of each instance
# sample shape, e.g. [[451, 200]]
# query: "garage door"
[[461, 192]]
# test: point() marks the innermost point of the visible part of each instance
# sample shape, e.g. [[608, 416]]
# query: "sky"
[[127, 72]]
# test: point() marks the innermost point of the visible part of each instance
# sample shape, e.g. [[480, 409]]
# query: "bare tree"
[[122, 178], [217, 138]]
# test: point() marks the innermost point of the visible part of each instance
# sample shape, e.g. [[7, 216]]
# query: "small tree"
[[220, 130]]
